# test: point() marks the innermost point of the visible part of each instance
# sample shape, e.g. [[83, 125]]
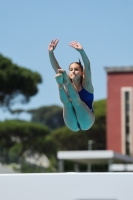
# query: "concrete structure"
[[120, 109], [67, 186], [92, 157]]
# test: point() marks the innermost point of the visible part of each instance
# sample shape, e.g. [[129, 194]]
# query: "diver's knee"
[[73, 128], [87, 126]]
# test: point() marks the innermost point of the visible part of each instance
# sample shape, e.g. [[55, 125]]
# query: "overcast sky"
[[104, 28]]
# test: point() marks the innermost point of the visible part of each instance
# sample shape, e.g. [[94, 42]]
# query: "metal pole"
[[60, 166], [89, 168], [110, 162], [89, 148], [90, 144], [76, 167]]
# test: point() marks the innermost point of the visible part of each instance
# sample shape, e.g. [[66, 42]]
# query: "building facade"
[[120, 109]]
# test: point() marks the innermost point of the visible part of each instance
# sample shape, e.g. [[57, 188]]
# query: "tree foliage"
[[15, 81], [19, 136], [51, 116], [62, 138]]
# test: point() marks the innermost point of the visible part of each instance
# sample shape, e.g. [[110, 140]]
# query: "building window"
[[127, 122], [126, 119]]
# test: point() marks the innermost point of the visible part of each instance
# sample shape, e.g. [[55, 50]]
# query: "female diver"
[[75, 89]]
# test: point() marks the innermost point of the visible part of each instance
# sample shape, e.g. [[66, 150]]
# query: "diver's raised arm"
[[87, 71], [52, 58]]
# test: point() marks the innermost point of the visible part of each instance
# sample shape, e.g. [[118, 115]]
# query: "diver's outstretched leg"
[[84, 115], [69, 116]]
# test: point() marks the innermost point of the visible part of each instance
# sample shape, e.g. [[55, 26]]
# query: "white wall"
[[67, 186]]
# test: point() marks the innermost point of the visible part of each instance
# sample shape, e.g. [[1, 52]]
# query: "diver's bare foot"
[[59, 80], [65, 76]]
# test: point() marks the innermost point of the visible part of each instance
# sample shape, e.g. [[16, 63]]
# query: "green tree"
[[16, 81], [18, 137], [51, 116]]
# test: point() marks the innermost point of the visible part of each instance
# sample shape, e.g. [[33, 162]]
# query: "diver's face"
[[75, 71]]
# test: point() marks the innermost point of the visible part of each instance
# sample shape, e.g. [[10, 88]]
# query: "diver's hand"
[[53, 45], [76, 45]]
